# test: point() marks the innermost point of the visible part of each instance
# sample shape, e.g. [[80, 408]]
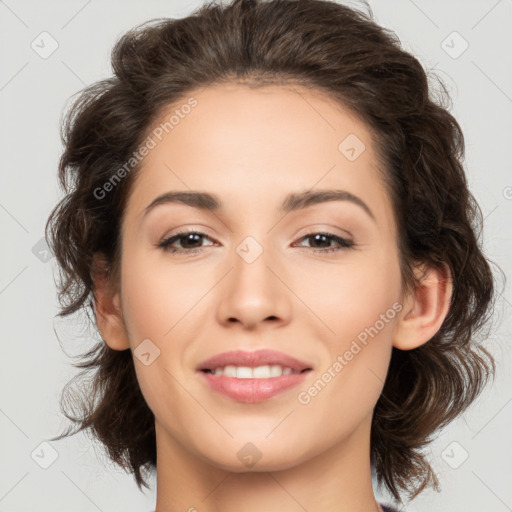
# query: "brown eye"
[[188, 240], [325, 239]]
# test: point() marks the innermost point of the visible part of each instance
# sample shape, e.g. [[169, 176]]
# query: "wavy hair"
[[345, 54]]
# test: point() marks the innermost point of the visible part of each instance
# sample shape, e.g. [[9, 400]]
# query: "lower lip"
[[253, 390]]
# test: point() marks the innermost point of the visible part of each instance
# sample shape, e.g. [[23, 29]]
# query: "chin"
[[253, 456]]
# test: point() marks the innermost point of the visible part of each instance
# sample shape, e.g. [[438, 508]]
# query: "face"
[[319, 281]]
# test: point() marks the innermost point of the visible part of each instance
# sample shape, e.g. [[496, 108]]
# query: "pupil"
[[188, 238], [319, 238]]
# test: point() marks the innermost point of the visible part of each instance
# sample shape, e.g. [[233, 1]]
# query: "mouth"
[[258, 372], [253, 364], [250, 389], [253, 377]]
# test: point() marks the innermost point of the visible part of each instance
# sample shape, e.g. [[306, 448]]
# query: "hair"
[[343, 53]]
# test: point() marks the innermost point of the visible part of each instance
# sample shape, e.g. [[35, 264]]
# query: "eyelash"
[[165, 245]]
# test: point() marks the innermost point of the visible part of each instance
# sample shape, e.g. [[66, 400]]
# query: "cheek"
[[360, 305], [158, 305], [350, 297], [157, 296], [164, 303]]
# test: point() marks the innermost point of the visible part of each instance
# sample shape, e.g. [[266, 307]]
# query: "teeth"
[[259, 372]]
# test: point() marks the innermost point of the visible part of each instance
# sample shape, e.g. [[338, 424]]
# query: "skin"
[[252, 147]]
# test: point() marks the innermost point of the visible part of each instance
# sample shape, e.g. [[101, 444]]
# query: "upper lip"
[[253, 359]]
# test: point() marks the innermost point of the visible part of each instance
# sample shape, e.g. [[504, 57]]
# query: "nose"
[[254, 293]]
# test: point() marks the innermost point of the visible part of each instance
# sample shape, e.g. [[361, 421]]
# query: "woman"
[[268, 218]]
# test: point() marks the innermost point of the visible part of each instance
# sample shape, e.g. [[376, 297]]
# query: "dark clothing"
[[386, 508]]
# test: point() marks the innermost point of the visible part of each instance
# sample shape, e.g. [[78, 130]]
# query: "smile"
[[249, 388]]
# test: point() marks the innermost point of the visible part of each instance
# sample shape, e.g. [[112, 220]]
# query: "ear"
[[425, 308], [107, 306]]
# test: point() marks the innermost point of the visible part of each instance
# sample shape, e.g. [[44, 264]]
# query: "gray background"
[[33, 93]]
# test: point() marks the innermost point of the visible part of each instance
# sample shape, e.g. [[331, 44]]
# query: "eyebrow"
[[292, 202]]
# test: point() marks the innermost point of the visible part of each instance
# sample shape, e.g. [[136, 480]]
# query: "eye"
[[326, 238], [189, 241], [190, 238]]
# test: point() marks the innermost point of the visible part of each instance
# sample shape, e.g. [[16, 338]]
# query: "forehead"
[[251, 147]]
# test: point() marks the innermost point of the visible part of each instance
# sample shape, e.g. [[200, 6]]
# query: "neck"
[[338, 480]]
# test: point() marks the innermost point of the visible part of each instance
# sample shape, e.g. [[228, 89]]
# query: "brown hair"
[[342, 52]]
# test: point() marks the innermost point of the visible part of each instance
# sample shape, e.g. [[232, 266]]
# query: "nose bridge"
[[253, 292], [251, 277]]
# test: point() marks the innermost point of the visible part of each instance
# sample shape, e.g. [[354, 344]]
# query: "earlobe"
[[425, 308], [107, 307]]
